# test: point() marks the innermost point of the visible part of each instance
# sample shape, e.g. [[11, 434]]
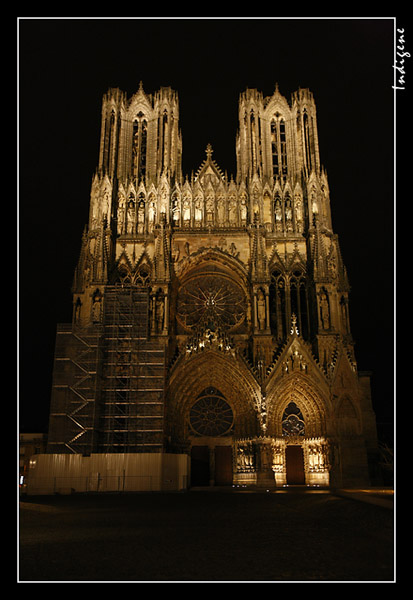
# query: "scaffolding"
[[133, 379], [72, 426], [109, 380]]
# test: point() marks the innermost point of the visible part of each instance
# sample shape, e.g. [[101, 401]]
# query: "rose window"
[[211, 415], [212, 301]]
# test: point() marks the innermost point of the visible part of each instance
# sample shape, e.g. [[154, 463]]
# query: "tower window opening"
[[279, 147], [139, 147]]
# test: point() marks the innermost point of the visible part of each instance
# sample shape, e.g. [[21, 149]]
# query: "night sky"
[[65, 66]]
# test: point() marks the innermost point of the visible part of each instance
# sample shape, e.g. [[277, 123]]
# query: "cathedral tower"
[[211, 313]]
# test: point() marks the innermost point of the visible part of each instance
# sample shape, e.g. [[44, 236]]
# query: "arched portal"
[[297, 421], [212, 400]]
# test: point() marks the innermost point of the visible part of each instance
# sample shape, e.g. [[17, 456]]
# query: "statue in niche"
[[314, 204], [163, 202], [288, 213], [105, 203], [245, 458], [221, 211], [324, 311], [261, 310], [160, 313], [121, 215], [186, 211], [176, 213], [299, 214], [278, 214], [130, 216], [244, 211], [232, 212], [95, 213], [210, 211], [151, 213], [141, 216], [97, 307], [198, 210]]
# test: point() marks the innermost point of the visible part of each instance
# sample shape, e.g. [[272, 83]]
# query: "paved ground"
[[205, 537]]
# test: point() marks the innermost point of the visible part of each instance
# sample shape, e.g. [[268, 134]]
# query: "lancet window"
[[279, 147], [288, 296], [278, 305], [139, 147], [109, 137], [299, 302], [308, 141]]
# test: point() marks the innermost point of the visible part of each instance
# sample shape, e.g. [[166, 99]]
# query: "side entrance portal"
[[294, 456]]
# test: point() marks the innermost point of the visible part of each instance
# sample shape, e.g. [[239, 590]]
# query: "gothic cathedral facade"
[[211, 312]]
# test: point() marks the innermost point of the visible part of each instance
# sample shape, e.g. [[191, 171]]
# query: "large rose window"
[[211, 415], [211, 301]]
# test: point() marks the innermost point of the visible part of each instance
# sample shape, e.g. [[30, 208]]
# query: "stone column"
[[265, 473]]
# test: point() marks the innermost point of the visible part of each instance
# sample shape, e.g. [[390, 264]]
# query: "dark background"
[[65, 65]]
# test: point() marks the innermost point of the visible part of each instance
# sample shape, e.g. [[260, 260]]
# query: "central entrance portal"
[[294, 456], [211, 465], [211, 420]]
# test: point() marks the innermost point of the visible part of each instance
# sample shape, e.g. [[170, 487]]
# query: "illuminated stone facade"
[[211, 312]]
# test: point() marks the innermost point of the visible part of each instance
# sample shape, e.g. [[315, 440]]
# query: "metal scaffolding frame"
[[133, 378], [75, 390], [109, 380]]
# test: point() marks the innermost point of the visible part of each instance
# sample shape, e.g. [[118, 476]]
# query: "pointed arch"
[[223, 371], [306, 395]]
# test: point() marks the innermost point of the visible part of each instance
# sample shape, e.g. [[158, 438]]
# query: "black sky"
[[65, 65]]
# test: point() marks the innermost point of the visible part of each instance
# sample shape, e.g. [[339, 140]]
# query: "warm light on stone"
[[215, 292]]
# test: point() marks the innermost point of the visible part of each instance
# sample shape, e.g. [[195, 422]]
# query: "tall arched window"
[[253, 141], [299, 302], [279, 147], [139, 147], [164, 140], [274, 148], [109, 137], [283, 145], [278, 305], [308, 141]]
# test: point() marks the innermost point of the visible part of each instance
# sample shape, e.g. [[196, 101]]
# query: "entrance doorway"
[[211, 465], [199, 466], [294, 457], [223, 465]]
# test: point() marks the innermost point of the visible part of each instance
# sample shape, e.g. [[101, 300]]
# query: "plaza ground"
[[207, 536]]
